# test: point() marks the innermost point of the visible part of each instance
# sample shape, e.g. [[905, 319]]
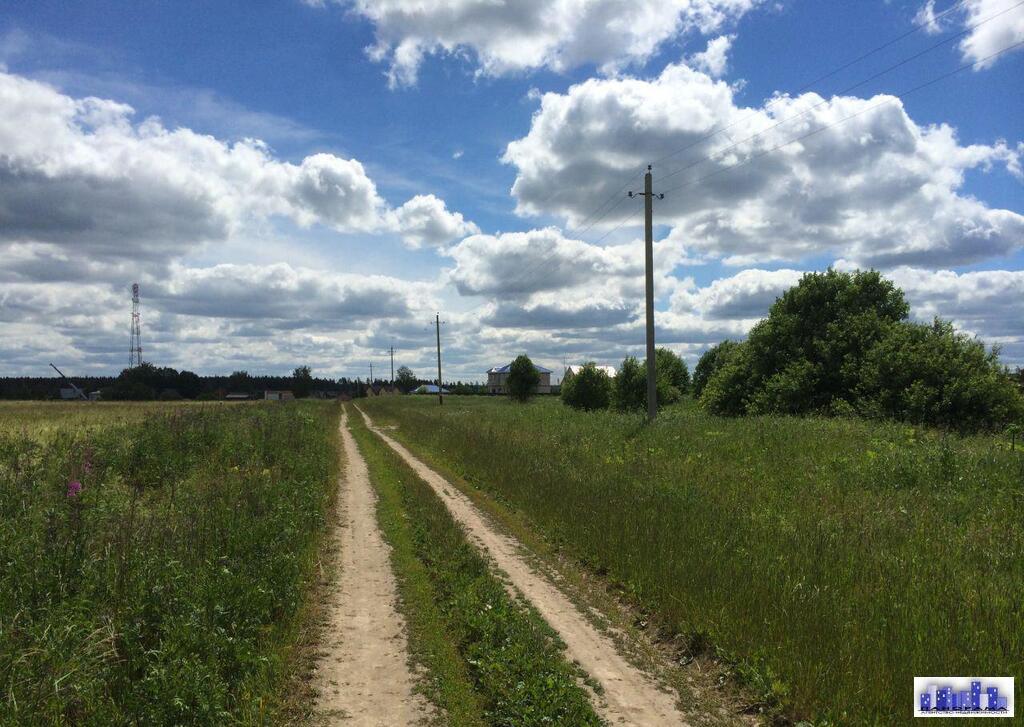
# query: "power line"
[[846, 90], [808, 85], [603, 209], [614, 203], [582, 227]]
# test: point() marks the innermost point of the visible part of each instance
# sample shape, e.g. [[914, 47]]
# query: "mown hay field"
[[155, 558], [831, 560]]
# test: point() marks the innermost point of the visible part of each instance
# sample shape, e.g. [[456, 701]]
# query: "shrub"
[[673, 369], [709, 363], [837, 343], [588, 390], [629, 387], [931, 374]]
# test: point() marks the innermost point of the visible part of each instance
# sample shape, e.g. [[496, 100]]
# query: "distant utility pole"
[[371, 374], [440, 396], [392, 352], [652, 374]]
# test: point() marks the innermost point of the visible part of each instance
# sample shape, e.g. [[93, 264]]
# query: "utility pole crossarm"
[[652, 374]]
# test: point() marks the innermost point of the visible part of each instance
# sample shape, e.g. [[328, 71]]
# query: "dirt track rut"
[[629, 697], [363, 677]]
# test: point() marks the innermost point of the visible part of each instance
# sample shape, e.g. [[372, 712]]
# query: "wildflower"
[[74, 488]]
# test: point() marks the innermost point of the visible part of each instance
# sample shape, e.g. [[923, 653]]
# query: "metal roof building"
[[497, 379]]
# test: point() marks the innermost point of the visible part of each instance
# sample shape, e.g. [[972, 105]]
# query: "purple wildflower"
[[74, 487]]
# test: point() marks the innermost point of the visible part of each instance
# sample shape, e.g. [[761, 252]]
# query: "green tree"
[[406, 379], [932, 374], [672, 369], [522, 378], [629, 387], [587, 389], [240, 381], [709, 363], [807, 354], [302, 382]]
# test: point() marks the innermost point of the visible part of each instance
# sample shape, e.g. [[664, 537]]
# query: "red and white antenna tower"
[[135, 349]]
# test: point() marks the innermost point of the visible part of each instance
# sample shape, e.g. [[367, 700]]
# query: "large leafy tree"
[[587, 389], [629, 387], [672, 369], [302, 381], [523, 378], [932, 374], [712, 360], [406, 379], [839, 343], [807, 354]]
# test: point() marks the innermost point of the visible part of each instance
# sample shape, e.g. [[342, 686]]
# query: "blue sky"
[[437, 128]]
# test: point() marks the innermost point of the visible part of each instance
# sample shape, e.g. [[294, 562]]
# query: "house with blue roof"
[[497, 379]]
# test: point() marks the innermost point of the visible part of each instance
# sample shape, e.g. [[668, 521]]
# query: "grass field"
[[39, 417], [155, 558], [833, 560]]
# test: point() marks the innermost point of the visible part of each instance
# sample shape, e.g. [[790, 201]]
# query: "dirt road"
[[364, 677], [629, 697]]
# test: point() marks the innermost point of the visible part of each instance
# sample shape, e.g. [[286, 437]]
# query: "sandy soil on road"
[[363, 677], [629, 697]]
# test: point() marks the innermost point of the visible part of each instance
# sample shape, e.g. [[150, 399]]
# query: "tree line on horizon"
[[834, 344], [148, 382]]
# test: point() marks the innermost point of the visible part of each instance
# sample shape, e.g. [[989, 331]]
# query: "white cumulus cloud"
[[83, 177], [508, 37], [990, 37], [861, 181]]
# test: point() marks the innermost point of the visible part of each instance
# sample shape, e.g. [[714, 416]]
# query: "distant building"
[[278, 395], [67, 392], [497, 379], [237, 396], [429, 389], [575, 369]]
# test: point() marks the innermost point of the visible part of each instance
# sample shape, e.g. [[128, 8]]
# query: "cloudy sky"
[[308, 182]]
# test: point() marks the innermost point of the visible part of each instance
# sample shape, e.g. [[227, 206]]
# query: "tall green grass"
[[151, 572], [833, 559]]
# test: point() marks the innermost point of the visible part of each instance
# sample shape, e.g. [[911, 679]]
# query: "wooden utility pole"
[[652, 373], [392, 352], [440, 395]]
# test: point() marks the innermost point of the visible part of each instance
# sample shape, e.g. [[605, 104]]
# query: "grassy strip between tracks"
[[492, 659]]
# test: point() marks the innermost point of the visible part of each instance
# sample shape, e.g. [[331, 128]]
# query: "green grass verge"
[[832, 560], [168, 589], [492, 659]]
